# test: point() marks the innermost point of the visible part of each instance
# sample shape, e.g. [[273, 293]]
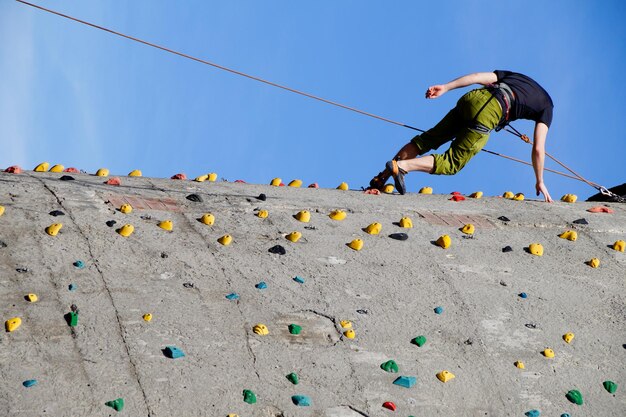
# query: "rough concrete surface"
[[388, 290]]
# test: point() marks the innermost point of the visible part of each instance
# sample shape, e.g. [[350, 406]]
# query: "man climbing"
[[506, 96]]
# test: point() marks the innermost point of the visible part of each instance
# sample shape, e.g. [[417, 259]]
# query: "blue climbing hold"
[[29, 383], [173, 352], [438, 310], [261, 285], [532, 413], [299, 280], [79, 264], [72, 287], [405, 381], [301, 400], [565, 415], [233, 296], [523, 295]]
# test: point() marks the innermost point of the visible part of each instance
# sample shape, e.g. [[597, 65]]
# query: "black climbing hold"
[[310, 227], [21, 270], [111, 223], [188, 285], [57, 213], [67, 178], [504, 219], [262, 197], [363, 311], [2, 244], [278, 249], [146, 217], [195, 198], [504, 284], [580, 221], [507, 249], [399, 236], [74, 308], [531, 325], [163, 255]]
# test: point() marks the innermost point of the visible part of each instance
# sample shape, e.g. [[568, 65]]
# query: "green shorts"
[[456, 127]]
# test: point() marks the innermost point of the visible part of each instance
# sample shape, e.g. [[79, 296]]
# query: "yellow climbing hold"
[[374, 228], [263, 214], [208, 219], [618, 245], [426, 190], [569, 198], [276, 182], [13, 324], [295, 183], [261, 329], [202, 178], [32, 298], [350, 334], [476, 194], [548, 353], [356, 244], [53, 229], [43, 167], [568, 337], [343, 186], [518, 197], [225, 240], [126, 230], [444, 241], [57, 168], [569, 235], [2, 212], [294, 236], [520, 364], [445, 376], [232, 415], [304, 216], [388, 189], [536, 249], [345, 324], [337, 215], [508, 194], [102, 172], [135, 173], [406, 222], [166, 225], [594, 262], [147, 317], [212, 177], [468, 229], [126, 208]]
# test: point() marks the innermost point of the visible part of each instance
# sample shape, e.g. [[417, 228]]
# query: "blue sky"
[[80, 97]]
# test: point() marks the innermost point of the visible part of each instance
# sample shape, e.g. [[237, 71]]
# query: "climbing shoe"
[[398, 175], [378, 182]]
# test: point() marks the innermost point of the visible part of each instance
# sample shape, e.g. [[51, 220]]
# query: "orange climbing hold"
[[600, 209], [71, 170], [114, 181], [14, 169], [180, 176]]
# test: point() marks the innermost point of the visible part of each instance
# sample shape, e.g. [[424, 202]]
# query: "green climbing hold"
[[419, 341], [610, 386], [295, 329], [575, 396], [117, 405], [73, 318], [293, 378], [390, 366], [249, 397]]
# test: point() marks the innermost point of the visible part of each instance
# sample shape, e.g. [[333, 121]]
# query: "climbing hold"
[[72, 170], [12, 324], [594, 262], [196, 198], [202, 178], [249, 396], [57, 168], [575, 396], [356, 244], [419, 341], [444, 241], [29, 383], [207, 219], [476, 194], [504, 219], [372, 191], [232, 296], [295, 329], [298, 279], [126, 230], [468, 229], [173, 352], [343, 186], [569, 198], [350, 334], [54, 213], [345, 324], [275, 182], [457, 197], [389, 366], [14, 169], [32, 298], [507, 249], [72, 318], [548, 353], [301, 400], [565, 415], [277, 249], [263, 214], [295, 183], [304, 216], [508, 194], [518, 197], [438, 310], [580, 221], [532, 413], [618, 245], [519, 364], [293, 236], [225, 240], [600, 209], [374, 228], [405, 381], [569, 235], [126, 208], [406, 222], [388, 189], [147, 317], [399, 236], [337, 215], [166, 225], [568, 337], [261, 329], [72, 287], [43, 167], [79, 264], [135, 173], [53, 229], [117, 405], [610, 386], [1, 210], [232, 415], [426, 190], [293, 378], [523, 295], [389, 405], [180, 176], [445, 376], [261, 285], [114, 181], [66, 178], [102, 172], [212, 177], [536, 249], [314, 185]]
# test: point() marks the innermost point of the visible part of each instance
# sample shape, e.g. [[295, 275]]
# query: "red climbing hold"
[[455, 193], [314, 185], [13, 170], [457, 197], [389, 406], [600, 209], [114, 181], [179, 177], [240, 181], [72, 170], [372, 191]]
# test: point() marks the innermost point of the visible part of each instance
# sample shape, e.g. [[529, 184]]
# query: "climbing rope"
[[576, 176]]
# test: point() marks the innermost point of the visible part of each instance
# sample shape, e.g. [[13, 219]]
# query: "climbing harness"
[[501, 88]]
